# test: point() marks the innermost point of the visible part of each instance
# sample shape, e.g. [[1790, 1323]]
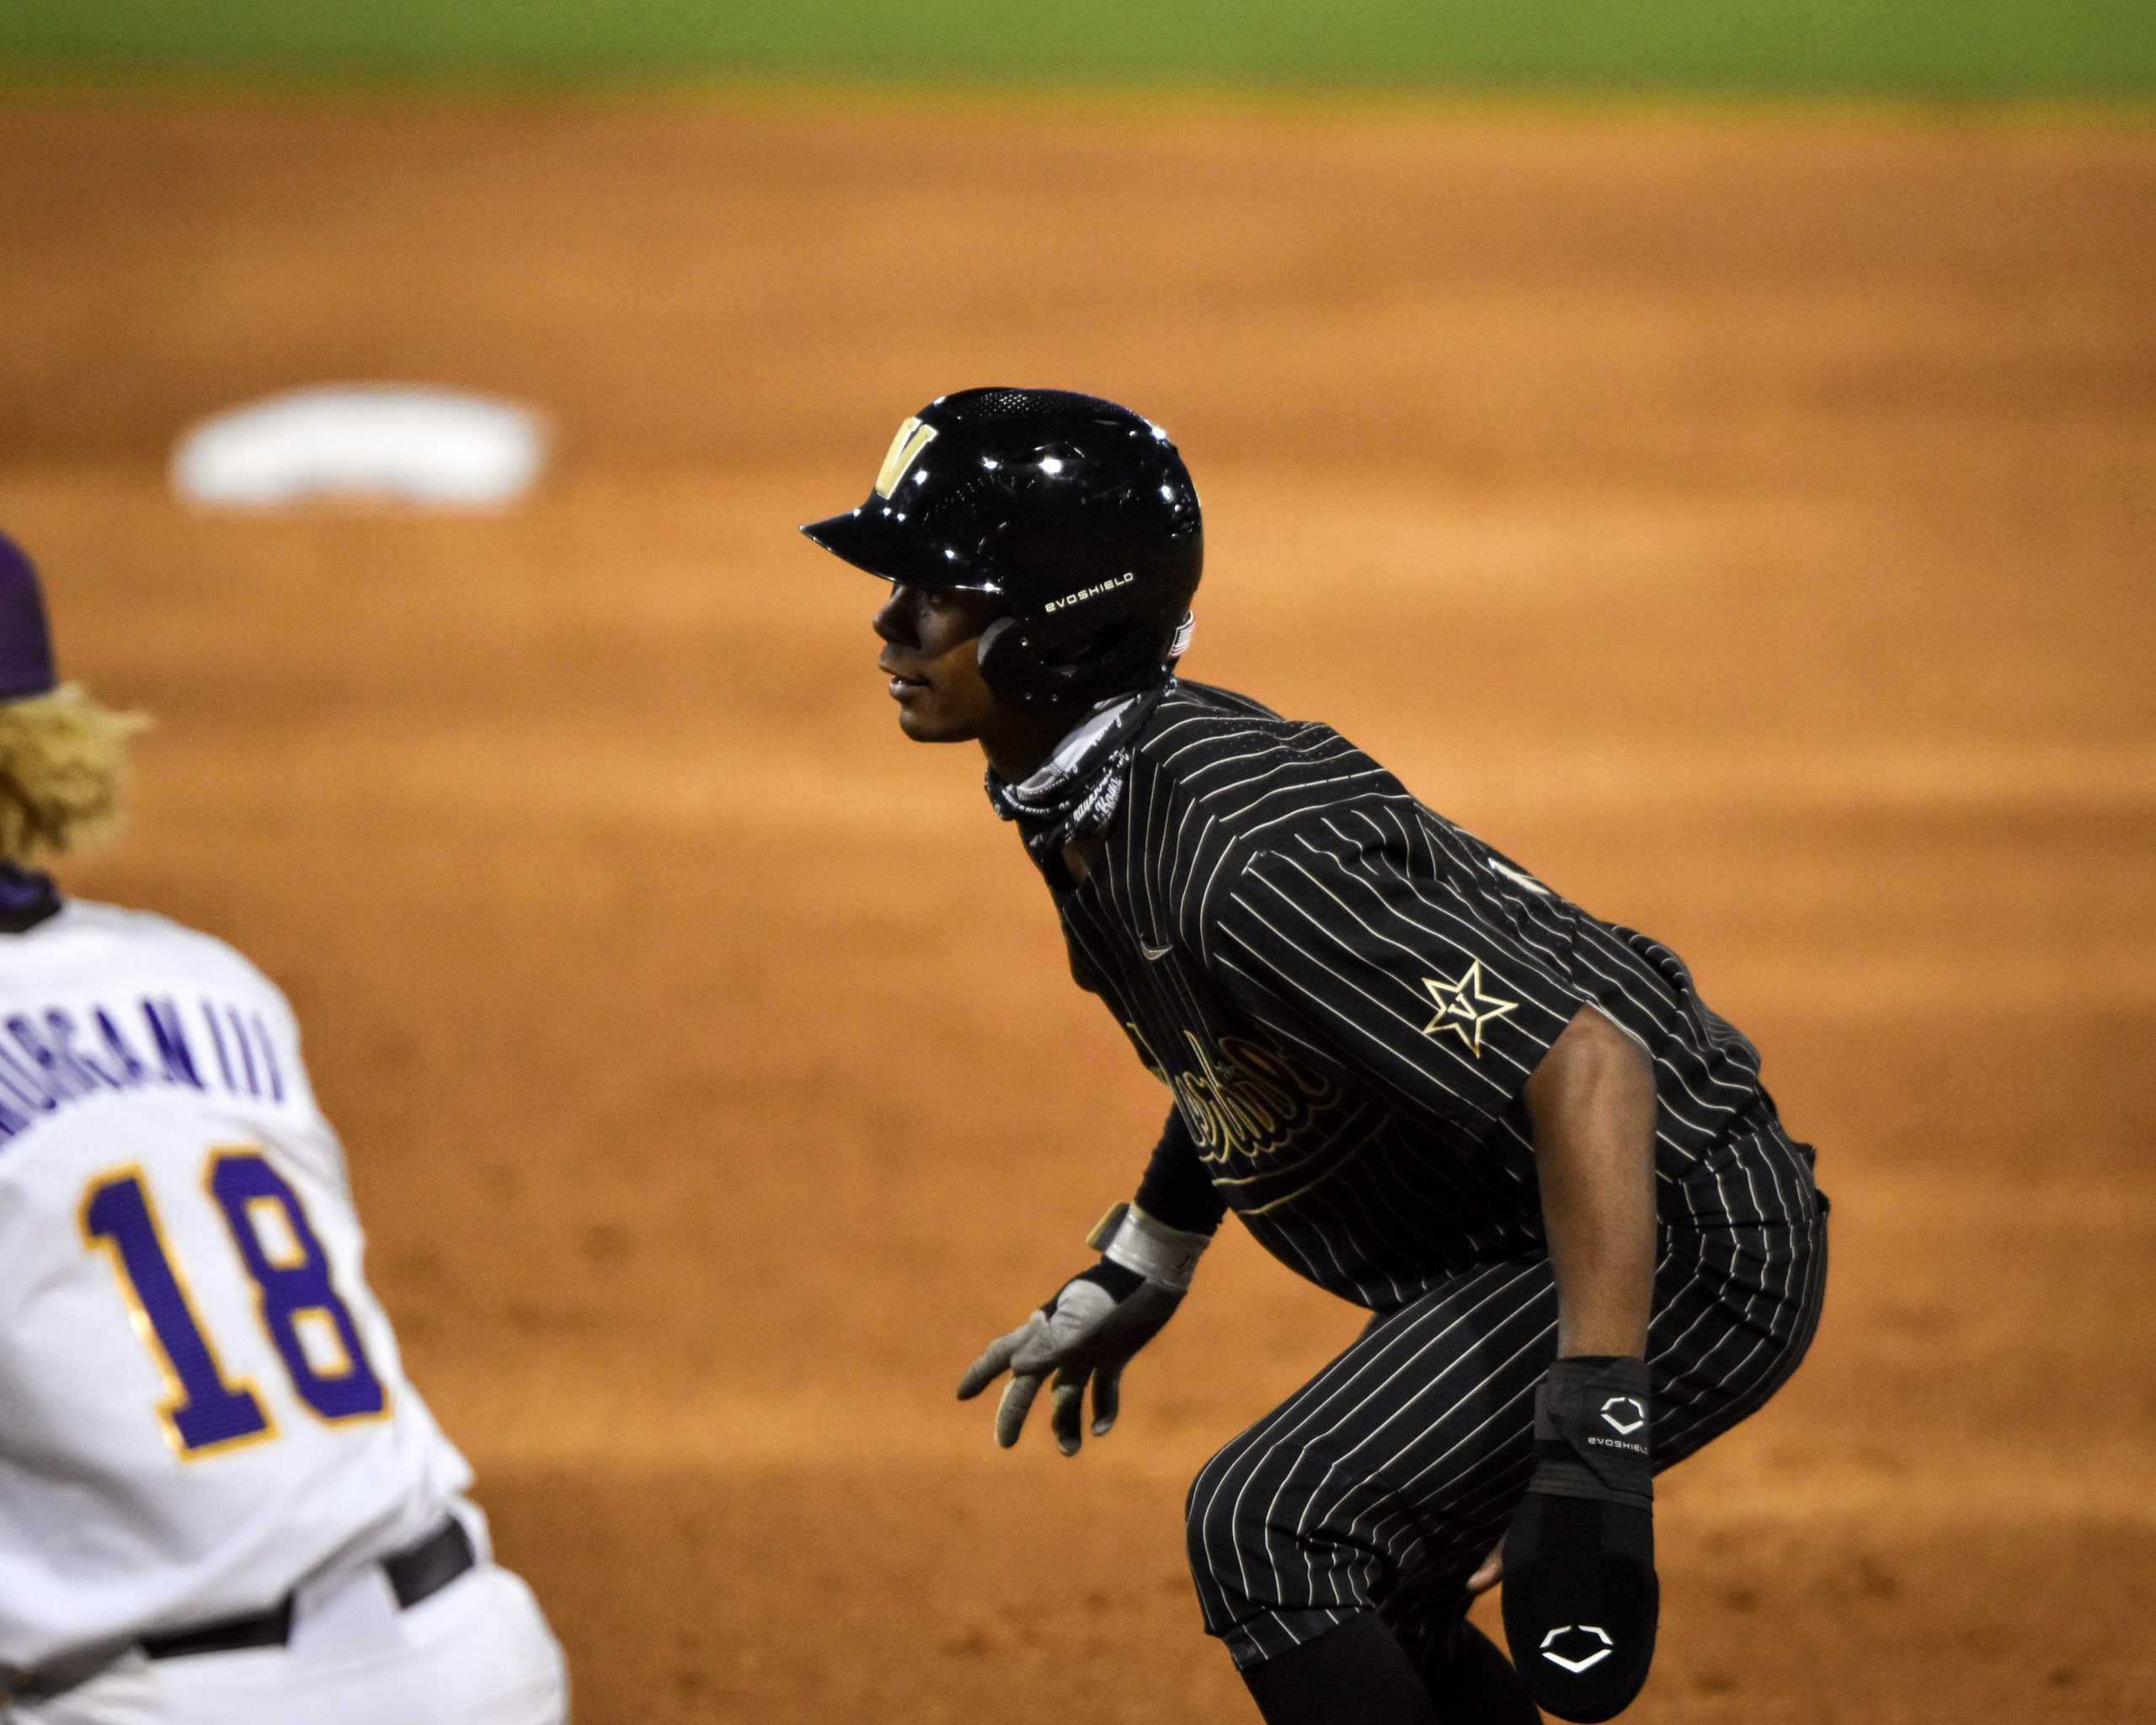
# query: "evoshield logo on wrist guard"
[[1614, 1410]]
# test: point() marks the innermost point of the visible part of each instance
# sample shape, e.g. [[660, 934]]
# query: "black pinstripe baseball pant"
[[1383, 1482]]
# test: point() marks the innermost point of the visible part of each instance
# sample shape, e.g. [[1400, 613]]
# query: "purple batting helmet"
[[25, 641]]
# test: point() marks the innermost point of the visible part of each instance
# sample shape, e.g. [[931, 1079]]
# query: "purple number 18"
[[206, 1410]]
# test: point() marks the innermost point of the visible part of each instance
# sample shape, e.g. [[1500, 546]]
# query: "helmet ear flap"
[[1011, 666], [1038, 667], [996, 651]]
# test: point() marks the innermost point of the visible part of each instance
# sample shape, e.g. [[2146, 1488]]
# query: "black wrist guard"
[[1594, 1434], [1580, 1599]]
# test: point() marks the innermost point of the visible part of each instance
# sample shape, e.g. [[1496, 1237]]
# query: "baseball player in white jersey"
[[221, 1502]]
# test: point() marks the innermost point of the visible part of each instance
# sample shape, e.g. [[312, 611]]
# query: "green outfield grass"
[[1886, 47]]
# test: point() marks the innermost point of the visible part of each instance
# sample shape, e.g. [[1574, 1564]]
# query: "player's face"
[[930, 656]]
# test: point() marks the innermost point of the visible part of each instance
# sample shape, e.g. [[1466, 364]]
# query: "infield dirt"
[[1745, 521]]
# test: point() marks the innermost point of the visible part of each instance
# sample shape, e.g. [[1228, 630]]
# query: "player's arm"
[[1177, 1192], [1088, 1330], [1592, 1104]]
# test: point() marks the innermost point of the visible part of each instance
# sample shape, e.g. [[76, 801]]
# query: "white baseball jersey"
[[200, 1402]]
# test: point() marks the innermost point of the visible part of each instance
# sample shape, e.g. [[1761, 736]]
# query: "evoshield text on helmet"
[[1077, 513]]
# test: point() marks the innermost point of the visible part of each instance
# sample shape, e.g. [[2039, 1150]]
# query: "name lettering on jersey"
[[904, 451], [1241, 1098], [61, 1056], [1463, 1007]]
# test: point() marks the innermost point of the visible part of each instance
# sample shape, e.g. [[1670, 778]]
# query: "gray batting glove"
[[1091, 1328], [1089, 1331]]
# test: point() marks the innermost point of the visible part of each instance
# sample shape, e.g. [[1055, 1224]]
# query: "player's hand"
[[1489, 1573], [1087, 1332], [1580, 1599]]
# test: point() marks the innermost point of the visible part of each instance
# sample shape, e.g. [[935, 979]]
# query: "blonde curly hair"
[[63, 773]]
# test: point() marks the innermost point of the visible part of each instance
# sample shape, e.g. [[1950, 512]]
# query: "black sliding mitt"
[[1580, 1597]]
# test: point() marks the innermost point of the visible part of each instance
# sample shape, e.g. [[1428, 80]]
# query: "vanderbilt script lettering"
[[1238, 1097]]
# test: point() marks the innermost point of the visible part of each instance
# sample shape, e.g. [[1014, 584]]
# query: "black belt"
[[416, 1574]]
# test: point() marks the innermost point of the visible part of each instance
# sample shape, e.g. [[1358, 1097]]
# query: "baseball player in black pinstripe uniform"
[[1422, 1078]]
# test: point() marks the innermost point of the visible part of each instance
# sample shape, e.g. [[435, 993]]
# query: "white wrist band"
[[1153, 1249]]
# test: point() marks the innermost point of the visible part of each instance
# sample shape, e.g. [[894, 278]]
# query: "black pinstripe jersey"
[[1346, 993]]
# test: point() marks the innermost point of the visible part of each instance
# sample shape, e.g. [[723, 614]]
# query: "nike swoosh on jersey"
[[1153, 952]]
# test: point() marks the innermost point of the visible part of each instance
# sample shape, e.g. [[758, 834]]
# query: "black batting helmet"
[[1077, 513]]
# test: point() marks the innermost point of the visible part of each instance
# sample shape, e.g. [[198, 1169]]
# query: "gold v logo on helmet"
[[905, 449]]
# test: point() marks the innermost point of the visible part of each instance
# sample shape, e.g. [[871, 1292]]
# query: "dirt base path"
[[1748, 524]]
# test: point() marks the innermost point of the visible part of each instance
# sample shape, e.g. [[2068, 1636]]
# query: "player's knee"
[[1209, 1514], [1277, 1531], [1233, 1512]]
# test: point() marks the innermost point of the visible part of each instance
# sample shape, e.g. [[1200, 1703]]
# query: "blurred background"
[[1709, 451], [2015, 49]]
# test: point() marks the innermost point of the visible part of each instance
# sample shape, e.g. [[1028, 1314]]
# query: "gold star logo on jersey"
[[1463, 1007]]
